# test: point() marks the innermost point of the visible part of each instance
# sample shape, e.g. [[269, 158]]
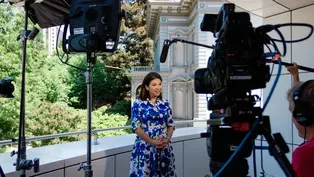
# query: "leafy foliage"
[[122, 107], [135, 47], [53, 118], [107, 86], [102, 120]]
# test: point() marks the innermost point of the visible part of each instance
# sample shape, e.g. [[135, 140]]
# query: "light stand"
[[91, 60], [22, 164]]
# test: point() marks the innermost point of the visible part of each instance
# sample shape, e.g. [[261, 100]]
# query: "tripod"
[[1, 172], [91, 60], [22, 164], [239, 167]]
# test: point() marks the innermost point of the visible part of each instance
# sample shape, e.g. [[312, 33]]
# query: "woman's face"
[[154, 88]]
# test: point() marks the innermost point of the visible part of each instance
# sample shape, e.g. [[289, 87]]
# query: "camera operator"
[[301, 105]]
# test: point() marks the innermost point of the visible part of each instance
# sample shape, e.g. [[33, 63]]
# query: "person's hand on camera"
[[293, 70]]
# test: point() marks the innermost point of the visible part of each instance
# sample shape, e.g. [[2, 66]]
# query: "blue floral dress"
[[154, 119]]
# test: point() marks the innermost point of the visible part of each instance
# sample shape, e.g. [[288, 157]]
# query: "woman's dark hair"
[[144, 94]]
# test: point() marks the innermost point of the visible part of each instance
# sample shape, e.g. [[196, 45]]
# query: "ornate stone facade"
[[178, 19]]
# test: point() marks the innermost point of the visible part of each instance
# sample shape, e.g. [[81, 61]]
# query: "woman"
[[152, 121]]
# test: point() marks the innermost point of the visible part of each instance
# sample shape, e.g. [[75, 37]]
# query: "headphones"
[[303, 112]]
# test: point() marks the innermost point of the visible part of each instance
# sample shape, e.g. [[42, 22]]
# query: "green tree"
[[136, 48], [46, 77], [108, 86]]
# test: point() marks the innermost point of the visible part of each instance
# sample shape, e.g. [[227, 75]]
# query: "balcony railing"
[[111, 155], [94, 132], [142, 68]]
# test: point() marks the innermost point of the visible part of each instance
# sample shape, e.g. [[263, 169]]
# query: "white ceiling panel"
[[267, 8], [270, 10], [252, 4], [294, 4]]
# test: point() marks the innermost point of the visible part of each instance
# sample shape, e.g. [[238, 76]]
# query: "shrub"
[[122, 107], [100, 120], [53, 118]]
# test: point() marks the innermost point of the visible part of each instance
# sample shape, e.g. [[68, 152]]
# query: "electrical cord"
[[262, 160], [295, 24], [261, 142], [254, 160], [67, 56]]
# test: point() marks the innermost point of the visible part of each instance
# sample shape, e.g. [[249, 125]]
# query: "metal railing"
[[142, 68], [94, 132]]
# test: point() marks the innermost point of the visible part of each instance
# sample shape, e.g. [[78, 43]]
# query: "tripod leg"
[[279, 155], [1, 172]]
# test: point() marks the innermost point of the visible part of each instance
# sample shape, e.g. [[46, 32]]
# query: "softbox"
[[45, 13]]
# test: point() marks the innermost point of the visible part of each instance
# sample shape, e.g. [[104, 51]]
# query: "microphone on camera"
[[164, 52]]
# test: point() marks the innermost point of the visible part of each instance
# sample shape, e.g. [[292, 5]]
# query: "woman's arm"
[[170, 124], [145, 136]]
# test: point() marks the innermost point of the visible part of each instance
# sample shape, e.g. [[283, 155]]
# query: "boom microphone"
[[291, 64], [164, 52]]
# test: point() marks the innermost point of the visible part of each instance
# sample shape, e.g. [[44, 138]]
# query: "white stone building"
[[178, 19]]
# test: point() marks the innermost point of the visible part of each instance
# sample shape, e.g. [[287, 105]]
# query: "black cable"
[[293, 144], [58, 55], [254, 160], [295, 24], [274, 44], [262, 160], [283, 41]]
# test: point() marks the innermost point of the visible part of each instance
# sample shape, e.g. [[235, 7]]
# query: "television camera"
[[6, 88], [236, 67]]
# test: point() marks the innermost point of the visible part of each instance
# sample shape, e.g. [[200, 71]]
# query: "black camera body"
[[237, 61], [6, 88], [236, 66]]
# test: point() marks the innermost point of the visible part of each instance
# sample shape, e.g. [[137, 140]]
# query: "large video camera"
[[6, 88], [236, 66]]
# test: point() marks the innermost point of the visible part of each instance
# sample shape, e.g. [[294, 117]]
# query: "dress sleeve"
[[170, 121], [136, 116]]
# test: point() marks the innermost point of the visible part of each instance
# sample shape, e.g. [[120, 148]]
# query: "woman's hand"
[[156, 142], [165, 143], [160, 143]]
